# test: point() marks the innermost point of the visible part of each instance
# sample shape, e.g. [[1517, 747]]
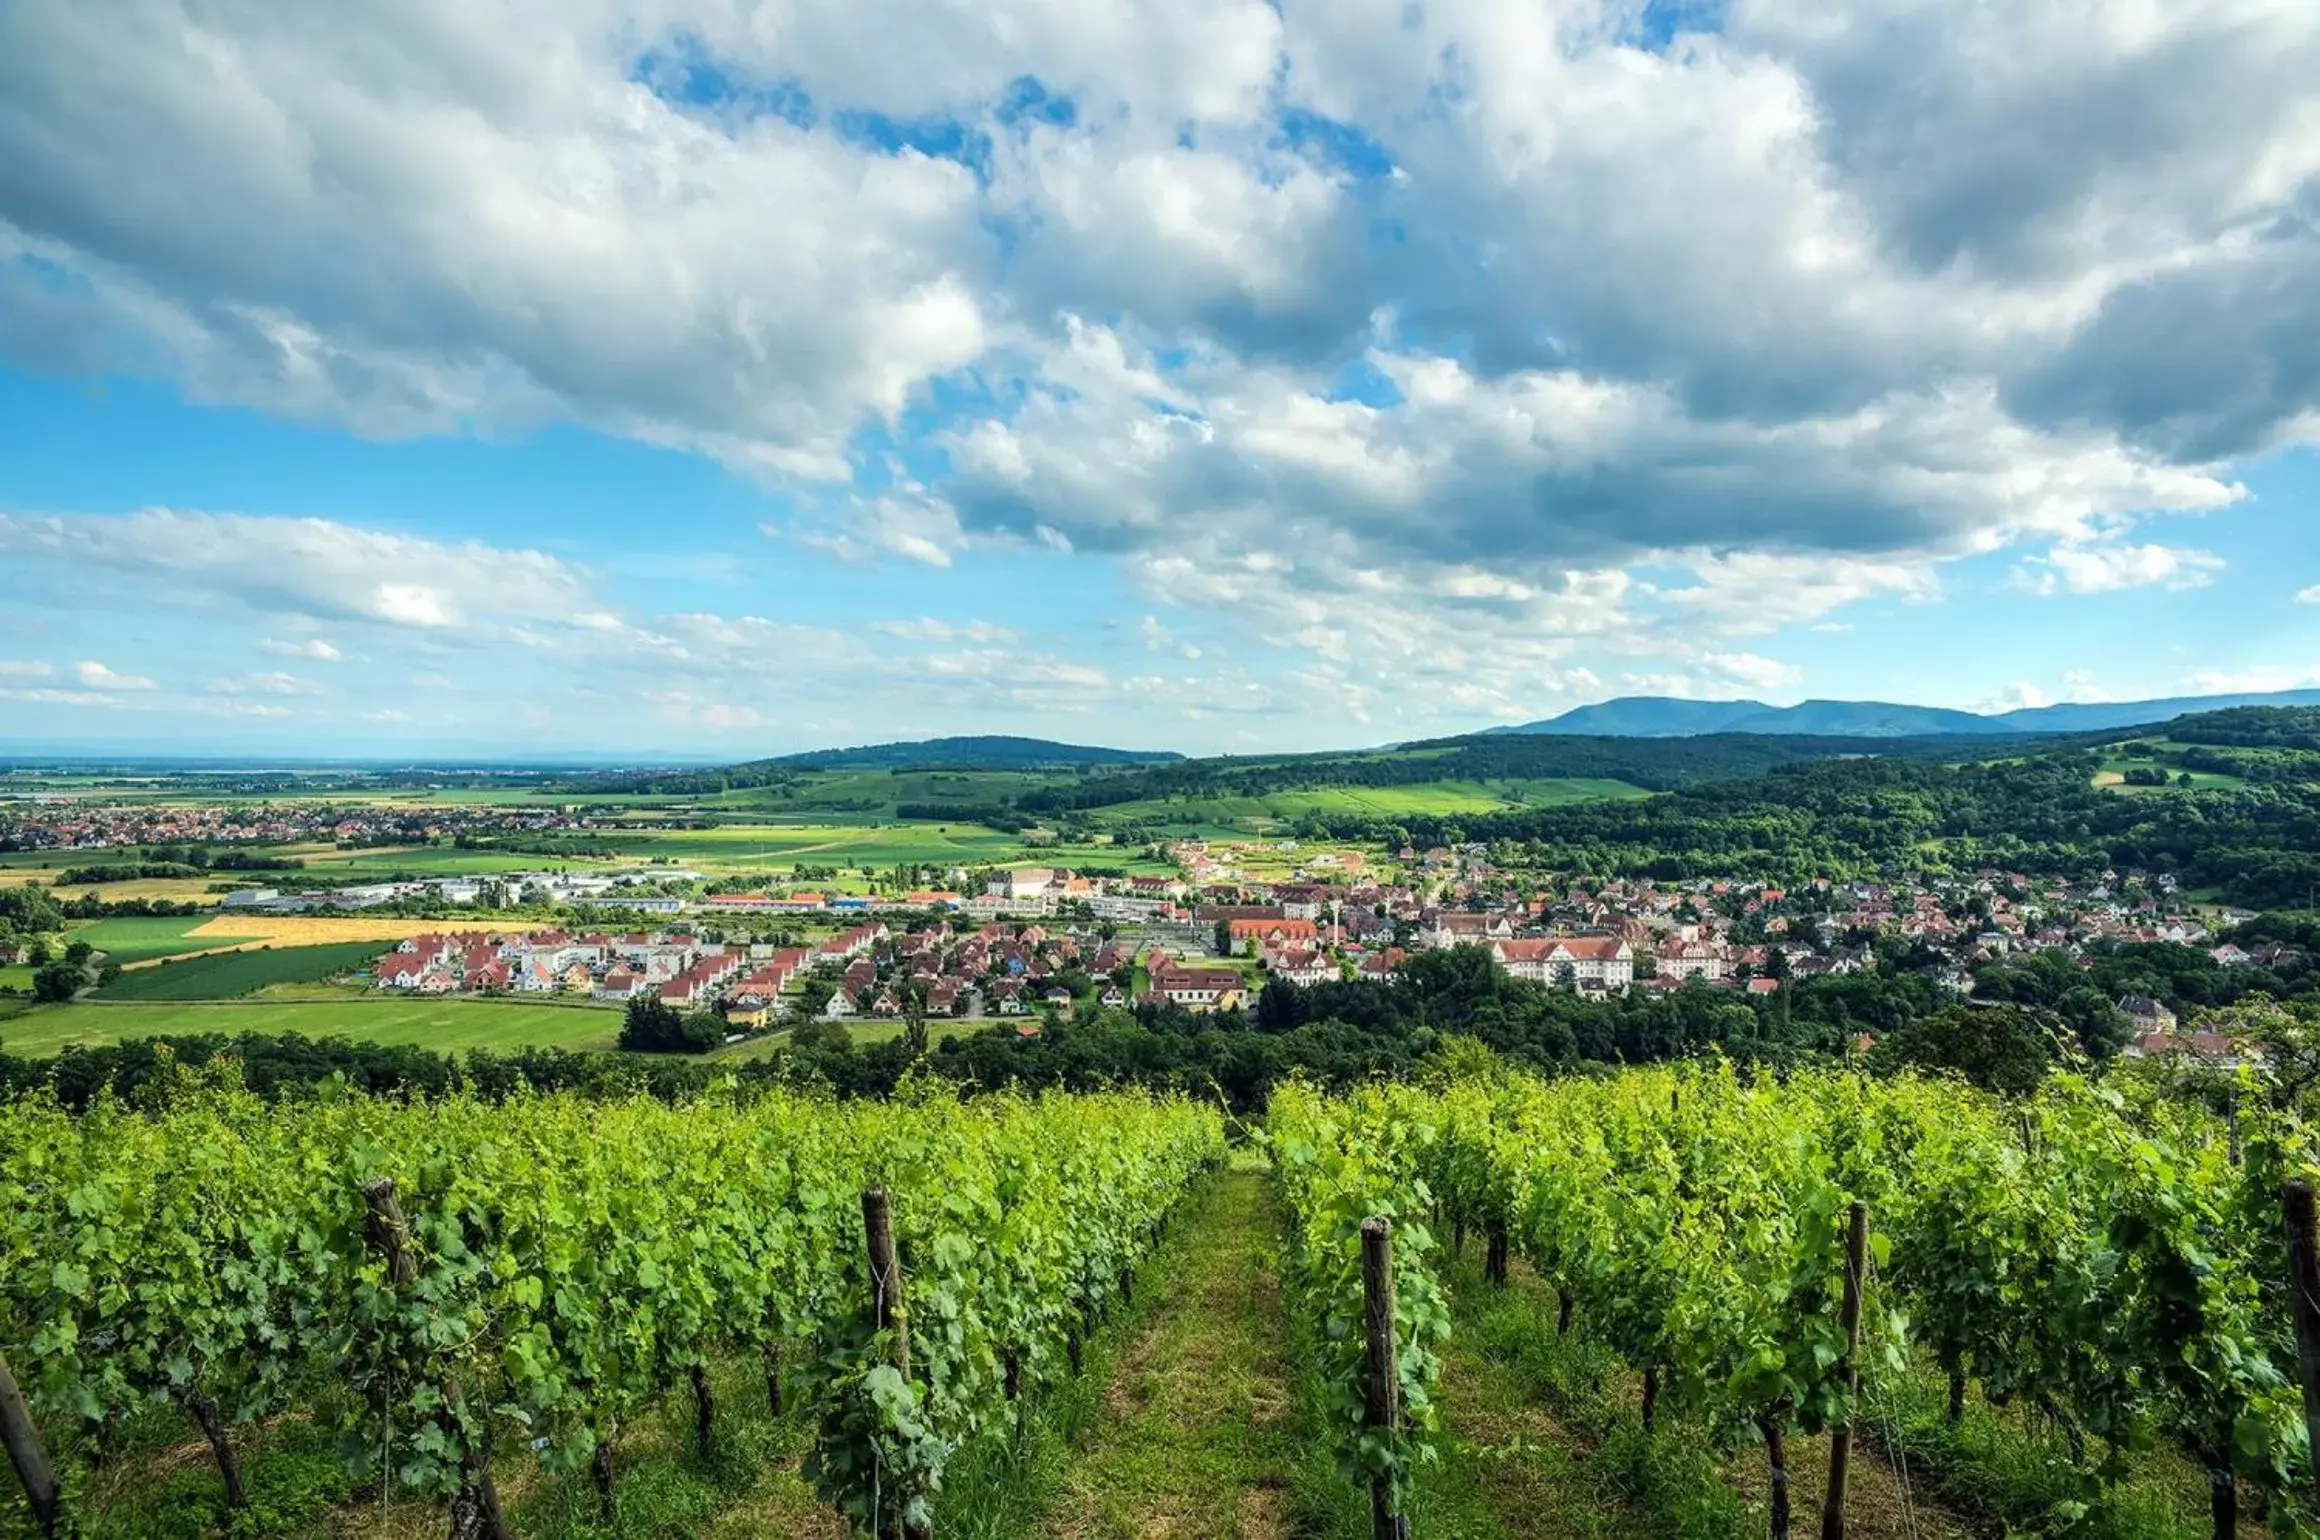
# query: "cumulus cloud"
[[311, 567], [2255, 679], [50, 697], [313, 649], [97, 676], [1481, 340], [2309, 595], [2096, 569], [275, 683], [929, 629]]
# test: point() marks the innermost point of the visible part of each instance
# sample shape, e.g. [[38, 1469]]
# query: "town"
[[1036, 938]]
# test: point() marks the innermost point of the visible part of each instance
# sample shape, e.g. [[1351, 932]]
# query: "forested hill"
[[1655, 764], [970, 753], [2253, 727], [976, 753], [1659, 716], [2257, 844]]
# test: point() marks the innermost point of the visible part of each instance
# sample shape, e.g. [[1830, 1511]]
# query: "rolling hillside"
[[1656, 716]]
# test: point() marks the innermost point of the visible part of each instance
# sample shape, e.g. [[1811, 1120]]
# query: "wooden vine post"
[[886, 1296], [2304, 1298], [886, 1274], [475, 1506], [1774, 1426], [1381, 1376], [1841, 1437], [27, 1453]]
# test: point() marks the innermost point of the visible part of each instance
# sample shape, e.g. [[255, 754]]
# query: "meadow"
[[442, 1025], [140, 939], [2115, 766], [231, 975], [1224, 816]]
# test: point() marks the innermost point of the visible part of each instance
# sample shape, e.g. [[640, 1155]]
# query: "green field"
[[1228, 815], [2115, 767], [141, 940], [230, 975], [862, 1033], [761, 846], [429, 860], [442, 1025]]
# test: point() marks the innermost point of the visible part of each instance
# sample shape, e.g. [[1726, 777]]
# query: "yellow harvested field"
[[239, 931]]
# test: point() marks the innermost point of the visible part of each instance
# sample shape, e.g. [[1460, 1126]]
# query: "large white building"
[[1595, 962]]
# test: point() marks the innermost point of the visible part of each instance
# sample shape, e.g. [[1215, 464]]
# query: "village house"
[[1253, 935], [1304, 966], [1460, 927], [1199, 989], [1596, 962]]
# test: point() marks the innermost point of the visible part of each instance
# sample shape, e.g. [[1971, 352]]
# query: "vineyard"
[[547, 1268], [1766, 1255], [1821, 1269]]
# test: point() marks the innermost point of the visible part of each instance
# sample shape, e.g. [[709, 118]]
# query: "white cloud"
[[2309, 595], [929, 629], [98, 677], [1715, 676], [909, 526], [260, 684], [2255, 679], [46, 697], [2096, 569], [1470, 342], [314, 650], [25, 668], [309, 567], [2017, 696], [1750, 671]]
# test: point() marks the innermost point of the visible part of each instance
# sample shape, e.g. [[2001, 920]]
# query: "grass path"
[[1197, 1436], [1510, 1467]]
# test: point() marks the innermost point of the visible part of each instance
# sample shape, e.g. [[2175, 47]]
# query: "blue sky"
[[693, 378]]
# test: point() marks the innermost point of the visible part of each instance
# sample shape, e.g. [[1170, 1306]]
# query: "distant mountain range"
[[1660, 716], [978, 753]]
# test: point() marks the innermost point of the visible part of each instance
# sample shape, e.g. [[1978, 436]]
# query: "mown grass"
[[143, 938], [1668, 1483], [1197, 1435], [442, 1025]]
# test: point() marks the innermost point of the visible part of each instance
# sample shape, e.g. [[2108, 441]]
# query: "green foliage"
[[571, 1260], [2091, 1253], [1999, 1048], [650, 1025], [28, 911], [2286, 727], [1340, 1165], [59, 981]]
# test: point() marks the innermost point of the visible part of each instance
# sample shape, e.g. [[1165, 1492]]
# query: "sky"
[[656, 378]]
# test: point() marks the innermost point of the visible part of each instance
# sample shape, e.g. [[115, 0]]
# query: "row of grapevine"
[[1344, 1164], [545, 1267], [2097, 1254]]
